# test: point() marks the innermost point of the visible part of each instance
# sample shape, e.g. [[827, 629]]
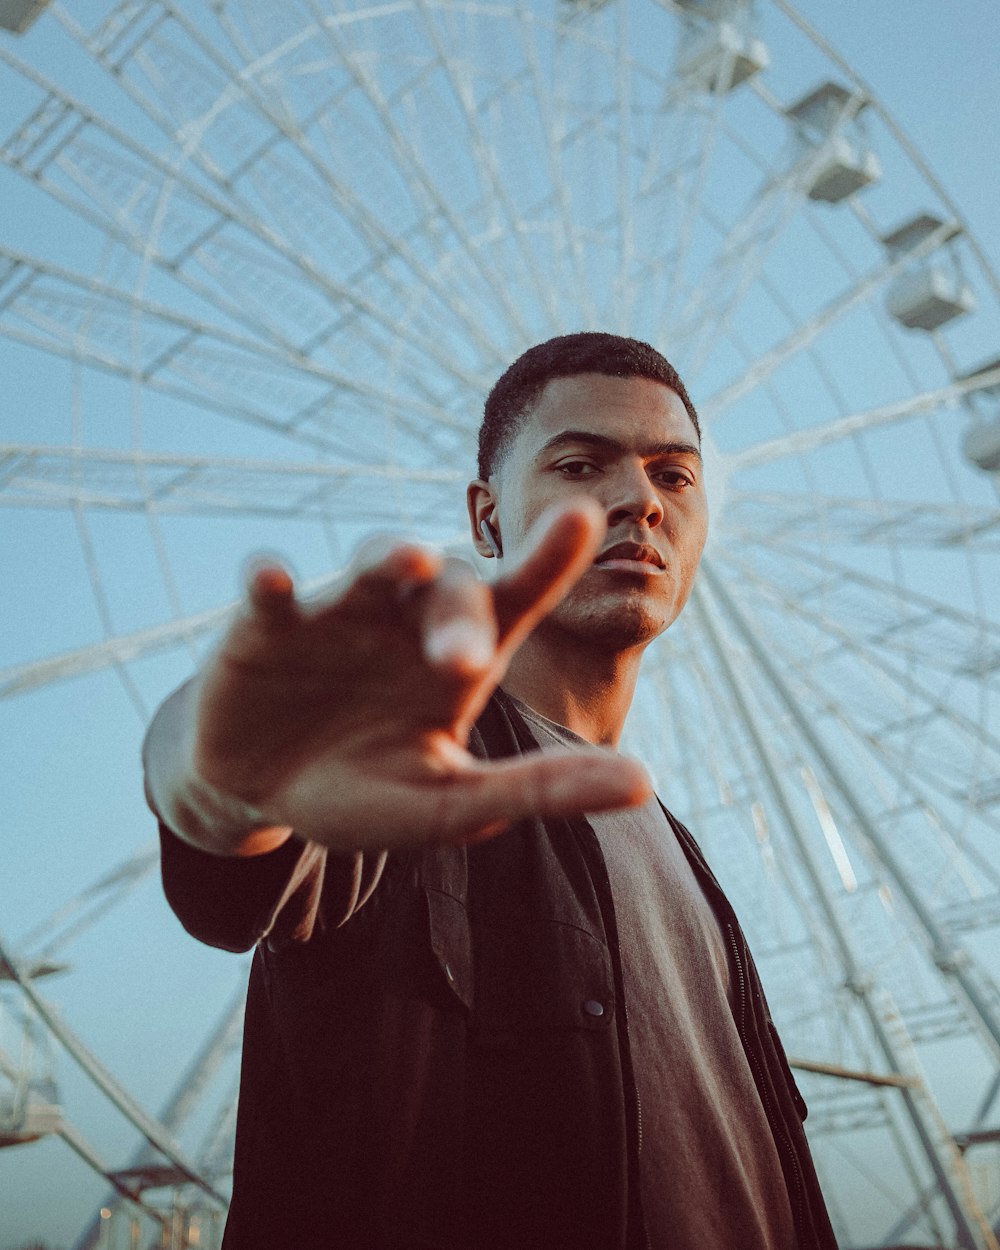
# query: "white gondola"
[[838, 162], [931, 292], [928, 298], [981, 443], [719, 50], [17, 15], [721, 57]]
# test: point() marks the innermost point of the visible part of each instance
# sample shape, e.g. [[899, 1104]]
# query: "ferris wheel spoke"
[[885, 712], [35, 476], [930, 780], [481, 149], [81, 912], [621, 293], [116, 194], [154, 1132], [714, 300], [906, 694], [665, 682], [878, 609], [284, 181], [215, 1154], [567, 225], [201, 392], [894, 1043], [79, 1144], [975, 990], [694, 201], [406, 153], [841, 427], [737, 785], [223, 1040], [776, 517], [685, 101], [86, 319], [770, 361], [225, 257], [22, 678]]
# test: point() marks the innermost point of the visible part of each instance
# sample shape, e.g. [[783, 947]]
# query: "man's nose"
[[634, 499]]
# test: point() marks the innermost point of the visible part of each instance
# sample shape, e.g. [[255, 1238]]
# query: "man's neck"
[[588, 690]]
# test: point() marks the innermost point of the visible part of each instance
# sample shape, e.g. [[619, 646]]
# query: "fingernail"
[[459, 641]]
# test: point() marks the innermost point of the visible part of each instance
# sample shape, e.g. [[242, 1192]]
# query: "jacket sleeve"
[[233, 903]]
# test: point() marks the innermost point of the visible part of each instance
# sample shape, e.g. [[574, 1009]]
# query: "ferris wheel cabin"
[[18, 15], [931, 291], [837, 160]]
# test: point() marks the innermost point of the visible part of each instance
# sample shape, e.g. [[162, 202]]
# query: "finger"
[[491, 796], [457, 622], [384, 565], [386, 555], [271, 592], [561, 549], [383, 573]]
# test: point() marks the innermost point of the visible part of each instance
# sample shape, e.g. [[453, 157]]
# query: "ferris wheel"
[[265, 261]]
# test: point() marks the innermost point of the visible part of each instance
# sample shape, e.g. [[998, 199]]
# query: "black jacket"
[[430, 1069]]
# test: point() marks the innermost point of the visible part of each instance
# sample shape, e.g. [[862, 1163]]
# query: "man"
[[477, 1018]]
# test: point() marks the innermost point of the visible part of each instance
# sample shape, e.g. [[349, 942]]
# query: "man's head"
[[605, 418], [517, 391]]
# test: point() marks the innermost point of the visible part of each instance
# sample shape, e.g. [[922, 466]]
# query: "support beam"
[[144, 1170], [894, 1080], [975, 990], [822, 435], [105, 1082], [887, 1028]]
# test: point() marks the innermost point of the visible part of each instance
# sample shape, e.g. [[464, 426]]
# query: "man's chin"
[[621, 623]]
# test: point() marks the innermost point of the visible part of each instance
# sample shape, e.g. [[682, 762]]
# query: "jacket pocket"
[[540, 975]]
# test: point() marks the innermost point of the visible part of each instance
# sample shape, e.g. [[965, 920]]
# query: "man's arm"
[[197, 812], [346, 719]]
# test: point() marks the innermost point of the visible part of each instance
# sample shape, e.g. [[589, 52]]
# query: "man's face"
[[629, 444]]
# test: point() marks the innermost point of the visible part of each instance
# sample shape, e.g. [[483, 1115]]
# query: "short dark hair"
[[518, 390]]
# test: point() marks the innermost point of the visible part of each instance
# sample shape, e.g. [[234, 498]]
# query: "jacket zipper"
[[635, 1089], [774, 1117]]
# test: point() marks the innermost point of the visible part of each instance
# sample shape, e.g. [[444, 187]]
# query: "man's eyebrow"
[[601, 442]]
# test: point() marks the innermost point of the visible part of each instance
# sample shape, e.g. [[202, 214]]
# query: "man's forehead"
[[600, 403]]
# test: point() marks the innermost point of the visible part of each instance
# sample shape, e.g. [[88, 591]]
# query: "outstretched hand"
[[347, 718]]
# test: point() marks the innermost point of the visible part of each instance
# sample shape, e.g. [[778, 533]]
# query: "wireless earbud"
[[489, 534]]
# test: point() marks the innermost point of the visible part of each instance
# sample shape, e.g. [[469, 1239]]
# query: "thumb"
[[550, 783]]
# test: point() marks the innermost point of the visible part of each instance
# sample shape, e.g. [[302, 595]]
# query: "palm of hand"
[[347, 719]]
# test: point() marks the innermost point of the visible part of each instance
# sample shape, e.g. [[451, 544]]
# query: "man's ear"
[[482, 504]]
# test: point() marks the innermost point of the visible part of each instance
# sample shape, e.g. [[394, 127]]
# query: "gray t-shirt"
[[710, 1174]]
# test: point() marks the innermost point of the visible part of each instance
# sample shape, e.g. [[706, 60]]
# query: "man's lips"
[[631, 556]]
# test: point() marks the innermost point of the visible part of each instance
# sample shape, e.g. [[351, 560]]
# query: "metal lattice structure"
[[267, 261]]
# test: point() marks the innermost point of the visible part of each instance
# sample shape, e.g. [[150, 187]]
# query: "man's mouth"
[[631, 557]]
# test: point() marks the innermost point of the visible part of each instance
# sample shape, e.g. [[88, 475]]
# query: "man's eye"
[[674, 477], [576, 468]]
